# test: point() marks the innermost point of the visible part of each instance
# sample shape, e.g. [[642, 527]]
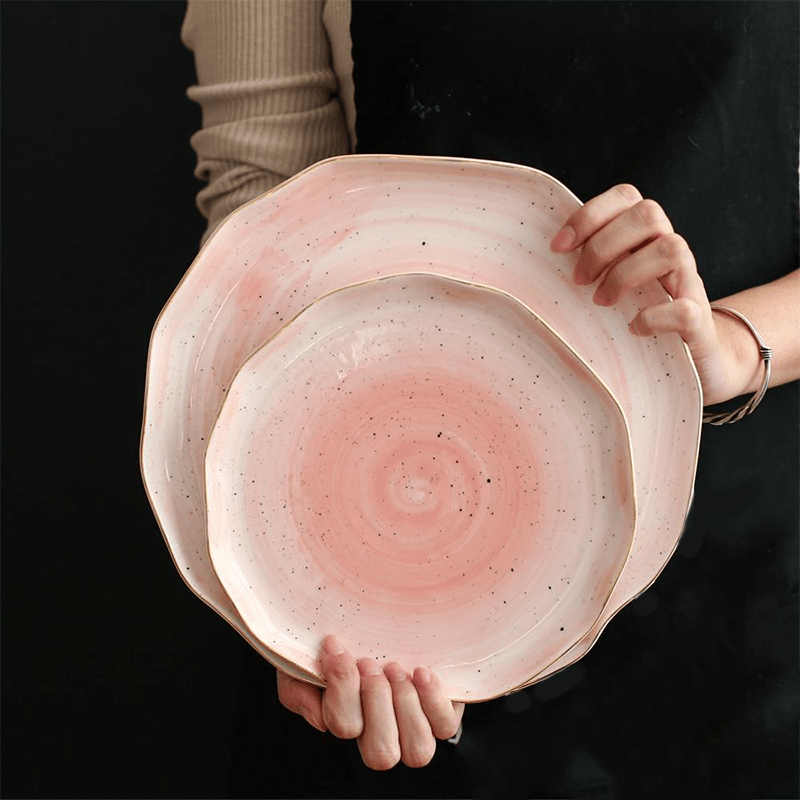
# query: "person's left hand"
[[394, 715], [627, 241]]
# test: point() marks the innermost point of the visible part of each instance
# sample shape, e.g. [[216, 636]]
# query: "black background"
[[118, 682]]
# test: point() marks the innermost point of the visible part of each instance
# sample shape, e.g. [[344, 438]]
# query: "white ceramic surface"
[[423, 467], [355, 218]]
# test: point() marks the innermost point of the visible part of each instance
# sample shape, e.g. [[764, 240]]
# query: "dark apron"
[[691, 690], [696, 104]]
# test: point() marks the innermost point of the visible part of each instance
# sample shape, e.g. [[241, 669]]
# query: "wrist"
[[741, 349], [743, 363]]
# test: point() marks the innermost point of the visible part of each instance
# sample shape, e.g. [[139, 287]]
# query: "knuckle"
[[593, 251], [688, 313], [588, 218], [340, 672], [699, 285], [419, 756], [650, 212], [675, 247], [629, 192], [642, 323], [645, 316]]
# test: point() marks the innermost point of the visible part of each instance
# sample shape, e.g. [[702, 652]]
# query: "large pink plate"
[[423, 467], [355, 218]]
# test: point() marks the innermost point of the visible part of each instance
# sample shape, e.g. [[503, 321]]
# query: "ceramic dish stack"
[[378, 406]]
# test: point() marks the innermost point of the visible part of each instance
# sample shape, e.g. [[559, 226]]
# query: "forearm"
[[774, 310], [269, 94]]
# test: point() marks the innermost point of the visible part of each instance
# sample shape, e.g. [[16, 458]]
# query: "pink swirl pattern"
[[355, 218], [423, 467]]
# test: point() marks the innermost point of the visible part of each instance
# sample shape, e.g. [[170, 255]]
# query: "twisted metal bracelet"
[[723, 417]]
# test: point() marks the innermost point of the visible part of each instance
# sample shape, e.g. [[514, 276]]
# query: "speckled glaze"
[[424, 468], [355, 218]]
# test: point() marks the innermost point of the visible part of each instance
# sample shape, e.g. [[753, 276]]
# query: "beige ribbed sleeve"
[[272, 101]]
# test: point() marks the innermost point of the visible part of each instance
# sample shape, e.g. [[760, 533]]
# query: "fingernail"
[[579, 278], [422, 676], [333, 646], [601, 298], [563, 239], [395, 673], [368, 666], [633, 326]]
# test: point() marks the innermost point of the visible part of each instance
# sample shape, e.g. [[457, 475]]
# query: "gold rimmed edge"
[[538, 318], [351, 158], [534, 679], [379, 157]]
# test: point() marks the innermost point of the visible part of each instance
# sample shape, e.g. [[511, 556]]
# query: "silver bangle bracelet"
[[723, 417]]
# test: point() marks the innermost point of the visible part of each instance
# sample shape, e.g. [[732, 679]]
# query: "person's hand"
[[394, 715], [626, 241]]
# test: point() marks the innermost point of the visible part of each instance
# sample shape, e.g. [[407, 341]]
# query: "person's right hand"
[[395, 715]]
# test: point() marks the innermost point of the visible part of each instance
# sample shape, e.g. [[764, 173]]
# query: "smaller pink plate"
[[423, 467]]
